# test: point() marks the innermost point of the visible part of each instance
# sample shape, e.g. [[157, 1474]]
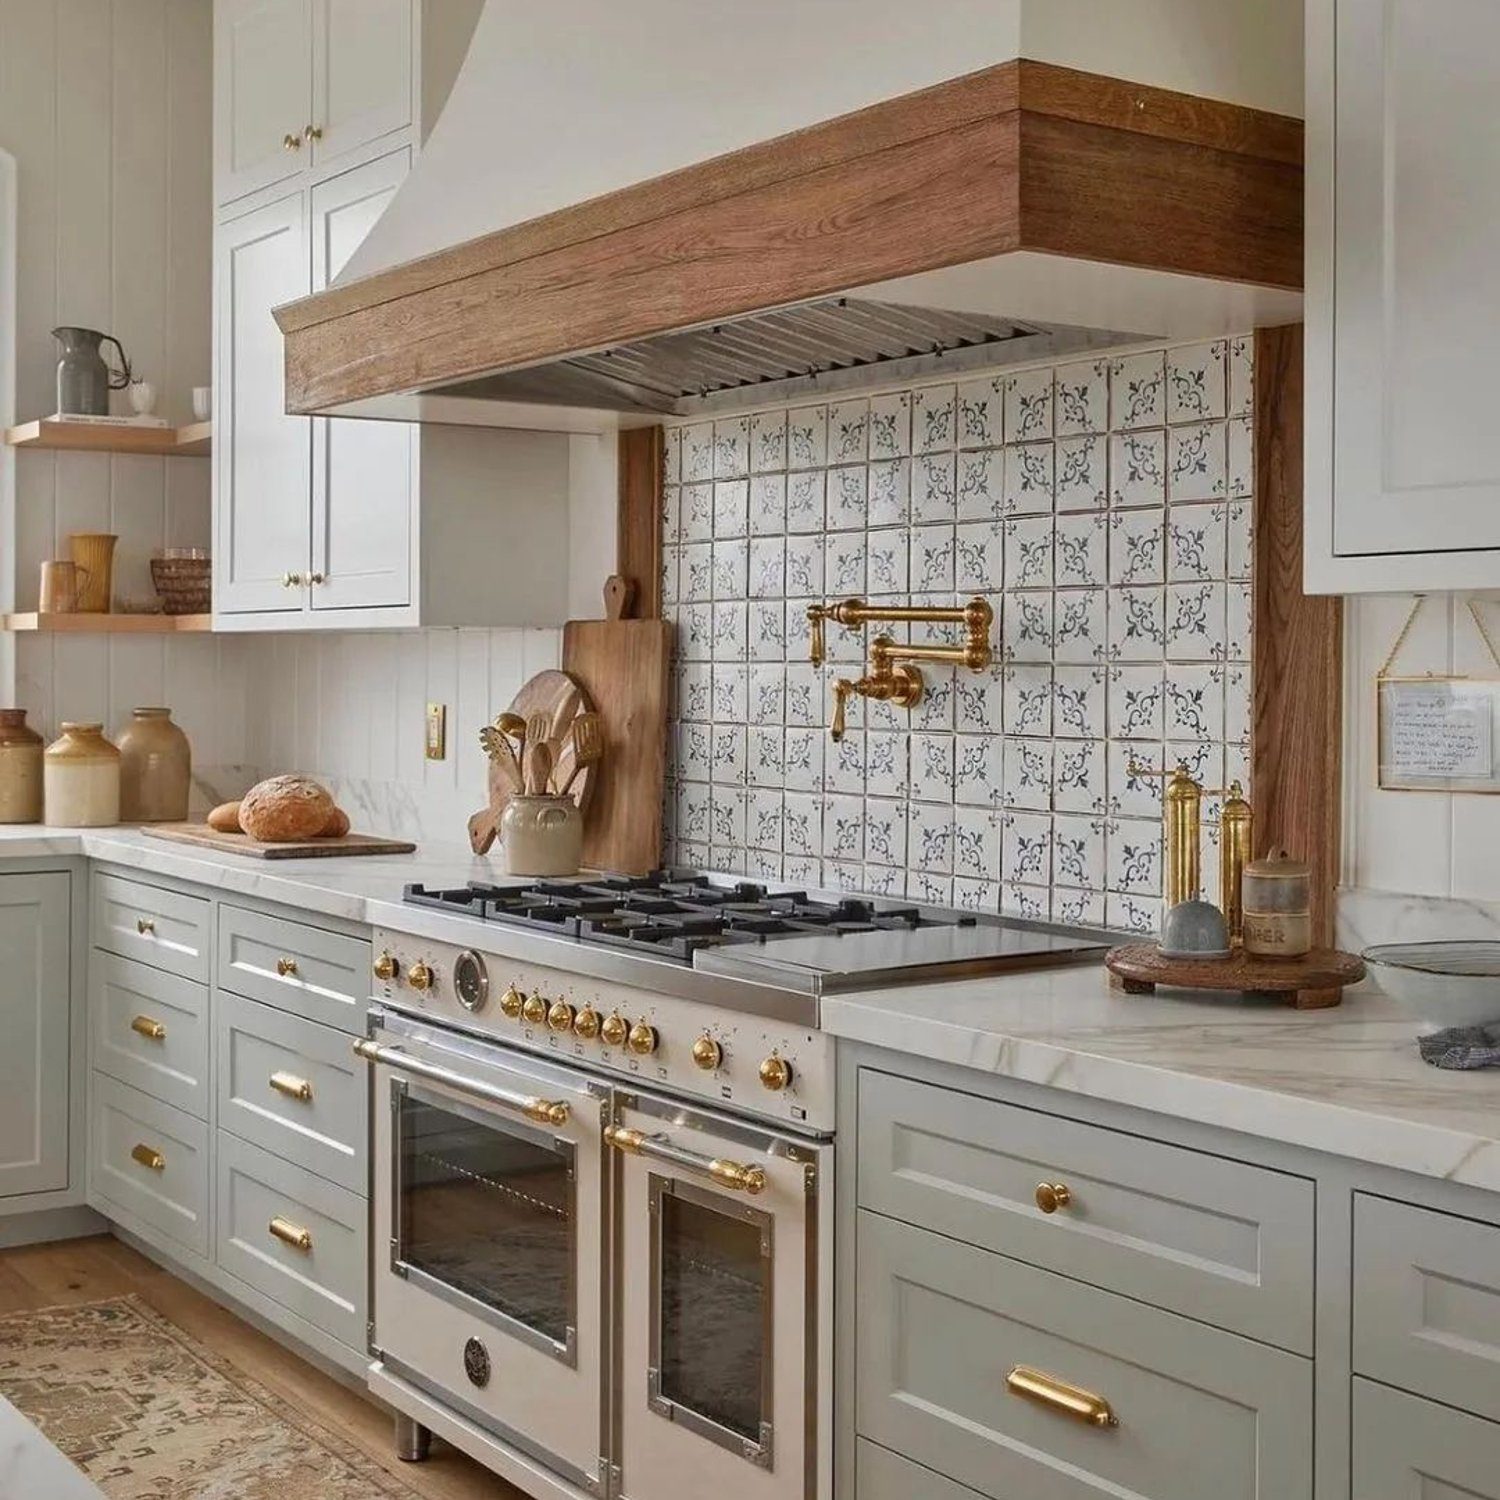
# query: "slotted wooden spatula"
[[585, 747]]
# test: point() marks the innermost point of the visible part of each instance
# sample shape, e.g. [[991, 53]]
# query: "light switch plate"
[[437, 731]]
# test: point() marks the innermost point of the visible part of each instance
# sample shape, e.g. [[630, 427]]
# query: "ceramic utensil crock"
[[81, 779], [156, 767], [20, 769], [542, 835]]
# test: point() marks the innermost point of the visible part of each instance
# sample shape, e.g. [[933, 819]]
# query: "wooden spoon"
[[538, 766]]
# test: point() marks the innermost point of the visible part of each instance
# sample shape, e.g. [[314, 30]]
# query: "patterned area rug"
[[148, 1413]]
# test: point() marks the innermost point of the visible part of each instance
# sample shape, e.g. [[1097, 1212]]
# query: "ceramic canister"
[[20, 769], [81, 779], [542, 835], [1277, 907], [156, 768], [93, 554]]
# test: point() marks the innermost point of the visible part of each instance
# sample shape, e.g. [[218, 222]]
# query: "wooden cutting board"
[[241, 843], [622, 665]]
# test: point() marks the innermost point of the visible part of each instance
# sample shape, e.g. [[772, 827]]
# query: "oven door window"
[[711, 1316], [486, 1215]]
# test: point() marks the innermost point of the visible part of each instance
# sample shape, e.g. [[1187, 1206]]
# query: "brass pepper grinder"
[[1183, 811], [1235, 829]]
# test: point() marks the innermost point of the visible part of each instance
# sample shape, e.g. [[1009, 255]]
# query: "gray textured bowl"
[[1194, 929], [1440, 984]]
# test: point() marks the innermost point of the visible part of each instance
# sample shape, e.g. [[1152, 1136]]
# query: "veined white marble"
[[1346, 1080], [1366, 916], [31, 1467]]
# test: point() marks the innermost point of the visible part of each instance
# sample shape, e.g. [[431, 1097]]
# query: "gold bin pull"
[[291, 1234], [1057, 1395], [148, 1027], [292, 1086], [148, 1156]]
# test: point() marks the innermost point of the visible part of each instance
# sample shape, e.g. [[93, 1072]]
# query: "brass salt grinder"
[[1183, 819]]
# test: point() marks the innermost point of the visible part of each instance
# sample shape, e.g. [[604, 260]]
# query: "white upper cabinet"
[[263, 93], [363, 74], [1403, 295]]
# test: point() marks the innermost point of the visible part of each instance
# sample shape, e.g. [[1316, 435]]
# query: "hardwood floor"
[[90, 1269]]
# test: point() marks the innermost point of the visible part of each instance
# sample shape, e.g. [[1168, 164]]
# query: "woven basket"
[[184, 584]]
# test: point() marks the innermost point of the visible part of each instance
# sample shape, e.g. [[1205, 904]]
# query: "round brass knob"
[[535, 1008], [775, 1073], [145, 926], [560, 1016], [586, 1023], [291, 142], [642, 1039], [511, 1002], [707, 1053], [387, 967], [312, 132], [421, 976], [614, 1031], [1051, 1196], [286, 968], [291, 580]]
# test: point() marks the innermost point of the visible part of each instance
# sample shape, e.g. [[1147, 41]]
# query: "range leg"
[[413, 1440]]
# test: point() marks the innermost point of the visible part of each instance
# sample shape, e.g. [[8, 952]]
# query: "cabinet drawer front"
[[880, 1474], [322, 975], [1427, 1303], [151, 1160], [1406, 1449], [1216, 1240], [150, 1030], [158, 927], [295, 1088], [942, 1326], [313, 1261]]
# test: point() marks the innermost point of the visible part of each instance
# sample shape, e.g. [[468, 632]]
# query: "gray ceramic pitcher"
[[84, 381]]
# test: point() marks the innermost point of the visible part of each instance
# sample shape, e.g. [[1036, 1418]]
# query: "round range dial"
[[471, 980]]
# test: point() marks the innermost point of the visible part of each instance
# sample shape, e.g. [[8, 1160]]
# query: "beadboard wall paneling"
[[1104, 508]]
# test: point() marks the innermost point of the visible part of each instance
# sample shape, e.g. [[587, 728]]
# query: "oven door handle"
[[733, 1175], [545, 1111]]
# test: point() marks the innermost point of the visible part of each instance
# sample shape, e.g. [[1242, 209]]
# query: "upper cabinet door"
[[262, 456], [362, 79], [1403, 293], [364, 472], [262, 93]]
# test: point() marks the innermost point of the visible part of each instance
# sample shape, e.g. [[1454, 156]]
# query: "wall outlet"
[[437, 731]]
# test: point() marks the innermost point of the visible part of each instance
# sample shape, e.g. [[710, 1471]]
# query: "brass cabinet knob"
[[145, 926], [560, 1016], [1051, 1196], [586, 1023], [312, 133], [421, 976], [642, 1039], [614, 1031], [291, 580], [315, 578], [535, 1008], [290, 142], [511, 1002], [707, 1053], [775, 1073], [387, 966], [286, 968]]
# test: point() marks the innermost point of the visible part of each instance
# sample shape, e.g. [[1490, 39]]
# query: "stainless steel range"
[[604, 1155]]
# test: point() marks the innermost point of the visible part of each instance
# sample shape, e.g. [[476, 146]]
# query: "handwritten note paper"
[[1437, 731]]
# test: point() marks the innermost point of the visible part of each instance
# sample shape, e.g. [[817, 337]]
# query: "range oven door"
[[722, 1307], [489, 1238]]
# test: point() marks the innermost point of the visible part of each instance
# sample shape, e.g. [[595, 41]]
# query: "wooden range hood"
[[1019, 162]]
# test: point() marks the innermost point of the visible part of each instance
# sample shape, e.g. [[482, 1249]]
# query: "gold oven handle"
[[544, 1111], [735, 1176], [1071, 1400], [290, 1234]]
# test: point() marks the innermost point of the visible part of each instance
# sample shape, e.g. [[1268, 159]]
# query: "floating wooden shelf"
[[81, 624], [191, 441]]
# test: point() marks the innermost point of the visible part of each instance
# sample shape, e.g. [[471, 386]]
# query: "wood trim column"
[[639, 547], [1297, 751]]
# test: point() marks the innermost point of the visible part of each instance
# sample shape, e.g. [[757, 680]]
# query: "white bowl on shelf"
[[1441, 984]]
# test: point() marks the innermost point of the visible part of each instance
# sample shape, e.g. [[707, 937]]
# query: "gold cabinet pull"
[[1051, 1196], [291, 142], [292, 1086], [290, 1234], [312, 133], [286, 967], [148, 1027], [145, 926], [1057, 1395], [315, 579], [291, 580], [148, 1156]]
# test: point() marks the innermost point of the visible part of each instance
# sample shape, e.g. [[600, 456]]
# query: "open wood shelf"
[[84, 624], [192, 441]]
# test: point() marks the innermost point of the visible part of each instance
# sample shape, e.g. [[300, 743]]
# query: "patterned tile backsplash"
[[1103, 507]]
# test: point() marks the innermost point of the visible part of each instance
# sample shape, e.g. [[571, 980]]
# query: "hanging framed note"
[[1437, 732]]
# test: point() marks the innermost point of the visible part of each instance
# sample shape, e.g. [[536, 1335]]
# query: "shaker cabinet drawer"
[[1406, 1449], [155, 926], [324, 976], [150, 1030], [1216, 1240], [293, 1236], [293, 1087], [1427, 1303], [1017, 1382], [880, 1474]]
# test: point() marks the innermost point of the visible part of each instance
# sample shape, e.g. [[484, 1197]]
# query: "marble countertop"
[[1347, 1080]]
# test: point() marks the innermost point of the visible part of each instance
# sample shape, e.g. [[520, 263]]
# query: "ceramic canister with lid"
[[20, 769], [1277, 906], [156, 768], [81, 779]]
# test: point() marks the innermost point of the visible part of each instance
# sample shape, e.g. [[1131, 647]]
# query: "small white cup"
[[203, 402]]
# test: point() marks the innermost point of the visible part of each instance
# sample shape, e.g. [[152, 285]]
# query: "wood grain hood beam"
[[1021, 156]]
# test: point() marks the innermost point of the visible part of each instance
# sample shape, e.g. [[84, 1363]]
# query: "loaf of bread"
[[285, 809], [225, 818], [338, 825]]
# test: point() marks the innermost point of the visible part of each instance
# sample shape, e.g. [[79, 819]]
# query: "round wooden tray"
[[1309, 983]]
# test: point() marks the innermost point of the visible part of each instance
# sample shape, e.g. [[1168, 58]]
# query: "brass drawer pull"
[[1071, 1400], [292, 1086], [148, 1156], [145, 926], [1051, 1196], [291, 1234], [148, 1027], [733, 1175], [286, 968]]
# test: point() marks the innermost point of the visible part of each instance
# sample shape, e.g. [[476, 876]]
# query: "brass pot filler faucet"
[[892, 678]]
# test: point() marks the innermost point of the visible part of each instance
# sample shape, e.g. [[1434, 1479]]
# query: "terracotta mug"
[[93, 555], [60, 584]]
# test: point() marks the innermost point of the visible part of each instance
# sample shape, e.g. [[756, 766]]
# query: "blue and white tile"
[[802, 755], [981, 412], [885, 831], [802, 870], [804, 567], [697, 452], [1195, 621], [929, 888], [1194, 703], [695, 631], [1028, 406], [697, 521], [1240, 528], [934, 418], [804, 695], [1078, 702], [731, 447], [1026, 848], [1080, 771], [977, 896], [1195, 462], [890, 493], [696, 573], [844, 828], [1027, 553], [767, 627], [932, 559], [1027, 701], [766, 697], [1240, 462], [767, 442], [1237, 704], [731, 756], [731, 693], [935, 711], [1081, 399], [1078, 851], [1137, 467], [1073, 908], [849, 432], [887, 559], [695, 692], [768, 505], [978, 771], [844, 565], [731, 569], [695, 754], [932, 488], [1137, 547], [929, 838], [841, 875], [1028, 902], [807, 437], [802, 824], [932, 767], [765, 756], [671, 456], [1197, 543], [671, 514], [1137, 699], [977, 701], [886, 763], [1082, 473], [763, 809], [848, 506], [1127, 913], [1028, 773], [1080, 628], [1080, 551], [1196, 385], [890, 426], [1137, 390], [886, 881], [1134, 783], [1028, 478], [1132, 858], [767, 557], [670, 558], [1239, 627], [1137, 624], [981, 485], [979, 561], [1241, 376], [844, 763], [976, 843], [694, 811], [805, 510], [1027, 628]]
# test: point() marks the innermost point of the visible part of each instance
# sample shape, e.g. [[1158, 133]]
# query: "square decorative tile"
[[849, 432], [695, 631], [844, 828], [934, 418], [1080, 551], [695, 692], [1078, 851], [935, 711], [1028, 773], [889, 487], [807, 437], [890, 425], [1028, 478], [1028, 553], [1137, 547], [1029, 902], [1137, 467], [1137, 624], [1027, 632], [1080, 631], [1197, 543], [731, 508], [1196, 384], [671, 457], [697, 520], [885, 763], [694, 805], [804, 695], [805, 511], [1240, 463], [979, 562], [802, 824], [1240, 625], [1028, 406], [1241, 377], [694, 754], [804, 567], [932, 767], [1132, 913], [697, 452], [1240, 525], [1194, 703], [731, 447], [1078, 702], [1078, 908], [978, 770], [767, 631], [767, 442], [1195, 621], [885, 831], [1081, 399], [981, 484], [696, 575], [1237, 704], [929, 838], [1133, 780], [932, 491], [887, 558], [671, 515], [1082, 481], [1026, 852], [1133, 856], [1027, 699], [768, 568], [977, 701], [932, 561], [1136, 699], [844, 565], [763, 819], [1079, 776], [886, 881], [929, 888], [1195, 462], [730, 762], [981, 407], [976, 895], [670, 556], [731, 563], [731, 693], [847, 502], [844, 763], [802, 756], [766, 749], [1137, 390], [976, 844], [766, 700], [768, 505]]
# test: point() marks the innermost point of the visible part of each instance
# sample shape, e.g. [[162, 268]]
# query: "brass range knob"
[[642, 1039], [1051, 1196], [615, 1030], [534, 1011], [387, 966], [586, 1023], [707, 1053], [775, 1073], [421, 976], [560, 1016], [511, 1002]]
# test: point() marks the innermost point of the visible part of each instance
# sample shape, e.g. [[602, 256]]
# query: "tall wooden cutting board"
[[622, 665]]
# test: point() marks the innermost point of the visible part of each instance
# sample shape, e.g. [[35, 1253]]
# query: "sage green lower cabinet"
[[883, 1475], [1409, 1449]]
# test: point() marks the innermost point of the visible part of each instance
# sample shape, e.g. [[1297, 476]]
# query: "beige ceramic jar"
[[81, 779], [156, 768], [20, 769], [542, 835]]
